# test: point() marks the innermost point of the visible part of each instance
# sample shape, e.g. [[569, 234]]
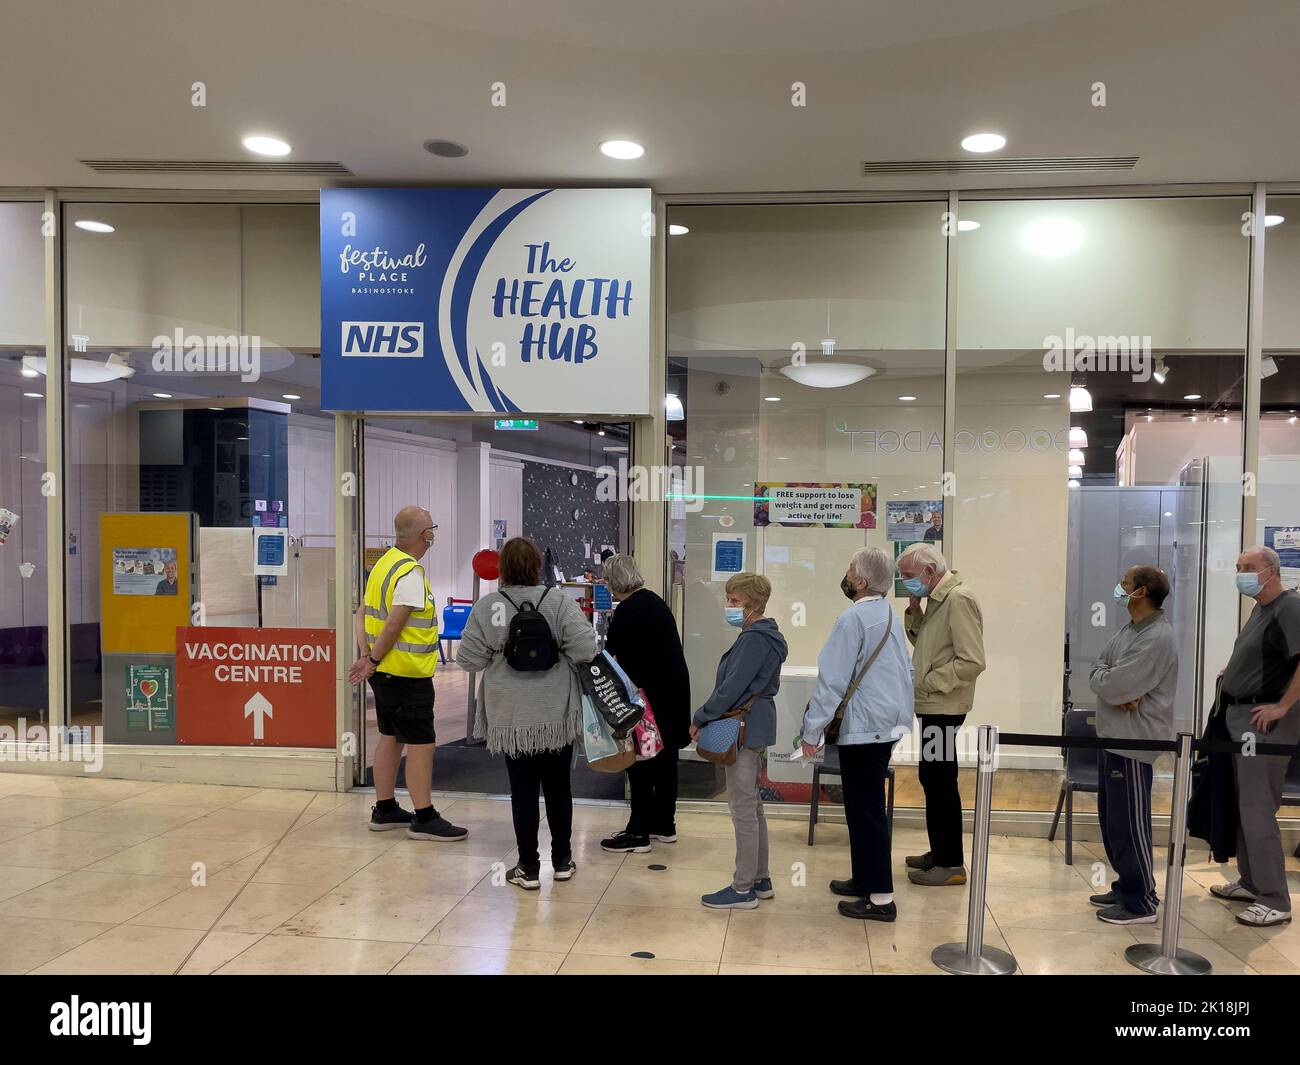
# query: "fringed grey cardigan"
[[526, 713]]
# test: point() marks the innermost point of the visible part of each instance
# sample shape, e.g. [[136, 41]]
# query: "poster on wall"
[[728, 555], [914, 519], [8, 519], [817, 505], [499, 531], [149, 704], [144, 571], [452, 300], [1285, 540]]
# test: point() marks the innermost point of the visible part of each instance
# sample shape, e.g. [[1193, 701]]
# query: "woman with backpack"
[[523, 640]]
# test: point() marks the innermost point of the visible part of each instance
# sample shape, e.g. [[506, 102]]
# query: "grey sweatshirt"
[[1139, 663], [526, 713], [751, 666]]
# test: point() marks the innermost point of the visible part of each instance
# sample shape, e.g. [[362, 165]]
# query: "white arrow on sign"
[[259, 707]]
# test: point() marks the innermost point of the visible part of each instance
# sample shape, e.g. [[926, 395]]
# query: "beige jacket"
[[948, 654]]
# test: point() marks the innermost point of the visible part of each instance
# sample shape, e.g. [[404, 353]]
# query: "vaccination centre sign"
[[533, 301]]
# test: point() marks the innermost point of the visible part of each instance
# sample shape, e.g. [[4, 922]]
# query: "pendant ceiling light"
[[827, 374]]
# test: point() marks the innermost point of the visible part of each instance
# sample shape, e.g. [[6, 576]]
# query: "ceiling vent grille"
[[1043, 165], [211, 166]]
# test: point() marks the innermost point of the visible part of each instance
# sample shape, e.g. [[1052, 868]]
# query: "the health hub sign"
[[514, 301]]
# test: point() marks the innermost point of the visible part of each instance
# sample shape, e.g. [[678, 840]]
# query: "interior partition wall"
[[1050, 385]]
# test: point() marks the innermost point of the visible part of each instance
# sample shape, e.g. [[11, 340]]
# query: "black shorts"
[[404, 707]]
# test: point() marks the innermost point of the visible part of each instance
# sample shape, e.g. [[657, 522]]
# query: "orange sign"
[[239, 687]]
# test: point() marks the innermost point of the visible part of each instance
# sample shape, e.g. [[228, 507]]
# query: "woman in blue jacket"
[[875, 718], [749, 672]]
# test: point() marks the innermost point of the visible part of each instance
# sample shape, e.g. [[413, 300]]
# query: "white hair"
[[925, 555], [622, 574], [873, 565]]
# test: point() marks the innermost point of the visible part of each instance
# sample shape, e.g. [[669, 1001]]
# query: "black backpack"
[[530, 647]]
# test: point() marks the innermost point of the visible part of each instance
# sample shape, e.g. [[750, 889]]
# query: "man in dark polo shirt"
[[1261, 689]]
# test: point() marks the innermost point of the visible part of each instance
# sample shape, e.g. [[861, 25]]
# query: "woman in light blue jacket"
[[875, 718]]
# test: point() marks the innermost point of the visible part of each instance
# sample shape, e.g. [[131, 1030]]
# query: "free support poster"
[[828, 505]]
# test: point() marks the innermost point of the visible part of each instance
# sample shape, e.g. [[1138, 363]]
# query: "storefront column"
[[649, 517], [349, 744], [473, 511], [1250, 385], [55, 484]]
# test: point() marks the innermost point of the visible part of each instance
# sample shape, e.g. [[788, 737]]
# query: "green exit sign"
[[516, 423]]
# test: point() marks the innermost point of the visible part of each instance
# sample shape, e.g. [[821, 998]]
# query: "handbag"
[[605, 753], [720, 740], [611, 693], [832, 730], [645, 736]]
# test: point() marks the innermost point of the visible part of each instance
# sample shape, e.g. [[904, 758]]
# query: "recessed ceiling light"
[[217, 408], [622, 149], [290, 395], [34, 395], [264, 145], [1052, 395], [162, 395], [965, 225], [678, 231], [906, 399], [1192, 395], [828, 374], [773, 399], [1274, 220], [29, 372], [600, 432], [91, 226], [577, 421], [983, 142], [446, 149]]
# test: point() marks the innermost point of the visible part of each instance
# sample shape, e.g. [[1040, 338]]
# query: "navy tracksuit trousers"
[[1124, 810]]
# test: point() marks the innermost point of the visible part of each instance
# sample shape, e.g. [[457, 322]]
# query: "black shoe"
[[1119, 914], [925, 862], [1107, 899], [436, 830], [846, 888], [528, 879], [866, 910], [384, 820], [626, 843], [565, 870]]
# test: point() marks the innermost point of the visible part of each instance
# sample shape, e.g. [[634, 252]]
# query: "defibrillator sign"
[[244, 686]]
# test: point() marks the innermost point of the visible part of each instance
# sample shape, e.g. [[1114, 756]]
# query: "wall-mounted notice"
[[728, 555], [515, 301], [149, 691], [914, 519], [819, 505], [144, 571], [271, 552], [1285, 540]]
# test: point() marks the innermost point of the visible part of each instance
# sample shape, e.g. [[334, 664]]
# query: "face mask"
[[916, 586], [1121, 596], [1248, 584], [735, 616], [848, 589]]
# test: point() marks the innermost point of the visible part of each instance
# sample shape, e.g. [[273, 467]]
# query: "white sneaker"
[[1260, 915]]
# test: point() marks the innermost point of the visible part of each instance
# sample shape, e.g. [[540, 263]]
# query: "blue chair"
[[1082, 773], [830, 763], [454, 616]]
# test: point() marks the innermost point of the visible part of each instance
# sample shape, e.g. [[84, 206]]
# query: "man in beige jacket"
[[948, 654]]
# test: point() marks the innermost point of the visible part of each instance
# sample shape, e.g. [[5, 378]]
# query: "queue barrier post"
[[974, 957], [1165, 958]]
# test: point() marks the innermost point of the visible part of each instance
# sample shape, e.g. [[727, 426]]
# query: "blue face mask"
[[916, 586], [1121, 596], [735, 616], [1248, 584]]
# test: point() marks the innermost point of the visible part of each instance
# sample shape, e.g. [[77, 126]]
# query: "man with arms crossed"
[[1135, 679], [397, 635]]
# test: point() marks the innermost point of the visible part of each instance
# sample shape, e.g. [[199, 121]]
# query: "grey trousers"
[[747, 819], [1260, 859]]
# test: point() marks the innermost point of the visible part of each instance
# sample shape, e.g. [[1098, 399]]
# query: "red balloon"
[[486, 564]]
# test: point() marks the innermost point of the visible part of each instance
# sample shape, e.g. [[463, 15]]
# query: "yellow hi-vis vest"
[[415, 654]]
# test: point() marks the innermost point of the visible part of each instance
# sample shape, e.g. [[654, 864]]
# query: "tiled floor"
[[112, 876]]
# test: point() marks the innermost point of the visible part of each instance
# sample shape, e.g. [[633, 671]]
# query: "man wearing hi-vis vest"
[[397, 635]]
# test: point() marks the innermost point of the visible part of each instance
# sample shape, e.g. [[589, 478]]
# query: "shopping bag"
[[603, 751], [611, 694], [646, 735]]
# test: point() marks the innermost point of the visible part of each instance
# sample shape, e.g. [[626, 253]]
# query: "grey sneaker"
[[938, 876], [919, 861], [1109, 898], [1119, 914]]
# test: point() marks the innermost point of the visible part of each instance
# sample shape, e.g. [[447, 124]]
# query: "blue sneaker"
[[730, 899], [763, 888]]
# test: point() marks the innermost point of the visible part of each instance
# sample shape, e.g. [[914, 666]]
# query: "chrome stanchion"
[[973, 957], [1165, 957]]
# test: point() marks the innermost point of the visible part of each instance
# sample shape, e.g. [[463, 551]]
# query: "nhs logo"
[[391, 340]]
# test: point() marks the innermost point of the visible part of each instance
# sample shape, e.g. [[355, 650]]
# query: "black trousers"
[[653, 786], [937, 771], [1124, 810], [548, 770], [862, 772]]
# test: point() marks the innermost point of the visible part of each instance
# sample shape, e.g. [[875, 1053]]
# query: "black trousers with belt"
[[653, 787], [937, 772], [862, 773]]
